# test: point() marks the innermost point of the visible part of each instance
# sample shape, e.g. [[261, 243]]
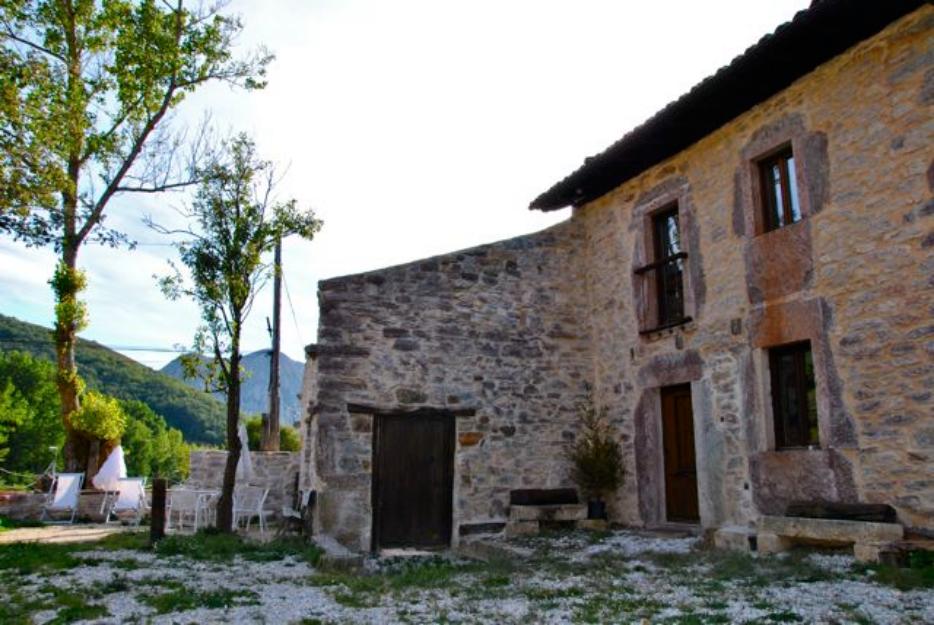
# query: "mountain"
[[200, 417], [254, 394]]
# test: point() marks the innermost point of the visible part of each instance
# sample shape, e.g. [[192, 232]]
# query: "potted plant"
[[596, 461]]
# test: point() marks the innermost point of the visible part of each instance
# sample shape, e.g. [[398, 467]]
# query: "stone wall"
[[854, 278], [275, 470], [22, 505], [491, 331]]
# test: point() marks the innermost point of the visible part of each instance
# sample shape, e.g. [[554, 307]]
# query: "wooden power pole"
[[270, 440]]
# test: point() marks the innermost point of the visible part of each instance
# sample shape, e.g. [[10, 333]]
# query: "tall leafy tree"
[[233, 222], [86, 89]]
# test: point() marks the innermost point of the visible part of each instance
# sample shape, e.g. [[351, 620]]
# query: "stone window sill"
[[668, 329]]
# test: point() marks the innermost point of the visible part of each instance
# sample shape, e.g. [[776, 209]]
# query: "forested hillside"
[[199, 416]]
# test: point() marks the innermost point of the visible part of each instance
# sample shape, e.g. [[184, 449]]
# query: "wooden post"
[[157, 520], [270, 438]]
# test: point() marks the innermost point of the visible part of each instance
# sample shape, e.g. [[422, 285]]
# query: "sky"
[[412, 128]]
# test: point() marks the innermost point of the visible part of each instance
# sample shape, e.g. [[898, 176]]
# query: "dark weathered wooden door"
[[413, 480], [680, 465]]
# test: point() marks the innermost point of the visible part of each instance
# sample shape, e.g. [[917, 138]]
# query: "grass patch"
[[718, 567], [552, 594], [7, 523], [217, 547], [74, 607], [185, 599], [918, 575], [29, 558], [601, 608]]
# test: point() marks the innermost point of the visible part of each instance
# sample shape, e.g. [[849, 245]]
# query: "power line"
[[292, 308], [118, 348]]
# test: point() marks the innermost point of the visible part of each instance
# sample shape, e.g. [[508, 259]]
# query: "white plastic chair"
[[248, 503], [130, 497], [63, 495], [183, 505]]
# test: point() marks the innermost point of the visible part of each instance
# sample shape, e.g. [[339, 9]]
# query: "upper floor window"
[[669, 270], [794, 396], [779, 190]]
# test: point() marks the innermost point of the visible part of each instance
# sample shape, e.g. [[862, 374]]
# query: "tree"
[[233, 223], [14, 410], [152, 449], [85, 91], [36, 440]]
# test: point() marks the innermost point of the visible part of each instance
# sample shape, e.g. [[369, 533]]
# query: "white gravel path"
[[619, 578]]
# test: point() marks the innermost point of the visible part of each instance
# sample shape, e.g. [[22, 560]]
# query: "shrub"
[[288, 435], [100, 416], [596, 457]]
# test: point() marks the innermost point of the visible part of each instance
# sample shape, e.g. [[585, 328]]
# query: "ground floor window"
[[794, 396]]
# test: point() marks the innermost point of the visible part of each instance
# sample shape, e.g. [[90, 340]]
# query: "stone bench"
[[869, 539], [524, 520]]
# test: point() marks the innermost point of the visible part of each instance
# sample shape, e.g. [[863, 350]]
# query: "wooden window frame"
[[665, 316], [790, 197], [798, 350]]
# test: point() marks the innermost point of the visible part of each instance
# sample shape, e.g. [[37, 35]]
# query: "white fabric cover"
[[111, 472], [67, 489], [245, 465]]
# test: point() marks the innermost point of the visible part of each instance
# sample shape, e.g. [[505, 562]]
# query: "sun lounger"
[[63, 496]]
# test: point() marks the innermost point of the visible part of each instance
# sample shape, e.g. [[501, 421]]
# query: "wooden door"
[[680, 465], [413, 480]]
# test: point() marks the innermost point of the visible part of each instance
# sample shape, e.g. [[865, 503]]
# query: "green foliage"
[[83, 94], [289, 439], [596, 457], [212, 546], [183, 599], [152, 448], [100, 416], [70, 312], [14, 410], [85, 89], [197, 415], [37, 434]]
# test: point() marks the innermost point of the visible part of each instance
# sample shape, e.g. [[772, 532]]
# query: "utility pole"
[[270, 440]]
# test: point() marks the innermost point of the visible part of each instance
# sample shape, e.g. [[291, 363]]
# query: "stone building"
[[744, 284]]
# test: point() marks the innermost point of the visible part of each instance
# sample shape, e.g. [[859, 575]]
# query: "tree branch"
[[31, 44], [159, 188]]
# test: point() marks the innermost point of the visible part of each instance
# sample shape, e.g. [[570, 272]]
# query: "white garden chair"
[[130, 497], [63, 495], [248, 503], [183, 506]]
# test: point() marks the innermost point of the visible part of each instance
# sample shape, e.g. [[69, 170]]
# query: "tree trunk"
[[225, 504], [66, 330]]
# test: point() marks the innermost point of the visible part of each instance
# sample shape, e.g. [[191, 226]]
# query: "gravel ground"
[[619, 577]]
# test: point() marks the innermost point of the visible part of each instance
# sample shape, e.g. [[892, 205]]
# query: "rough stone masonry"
[[515, 336]]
